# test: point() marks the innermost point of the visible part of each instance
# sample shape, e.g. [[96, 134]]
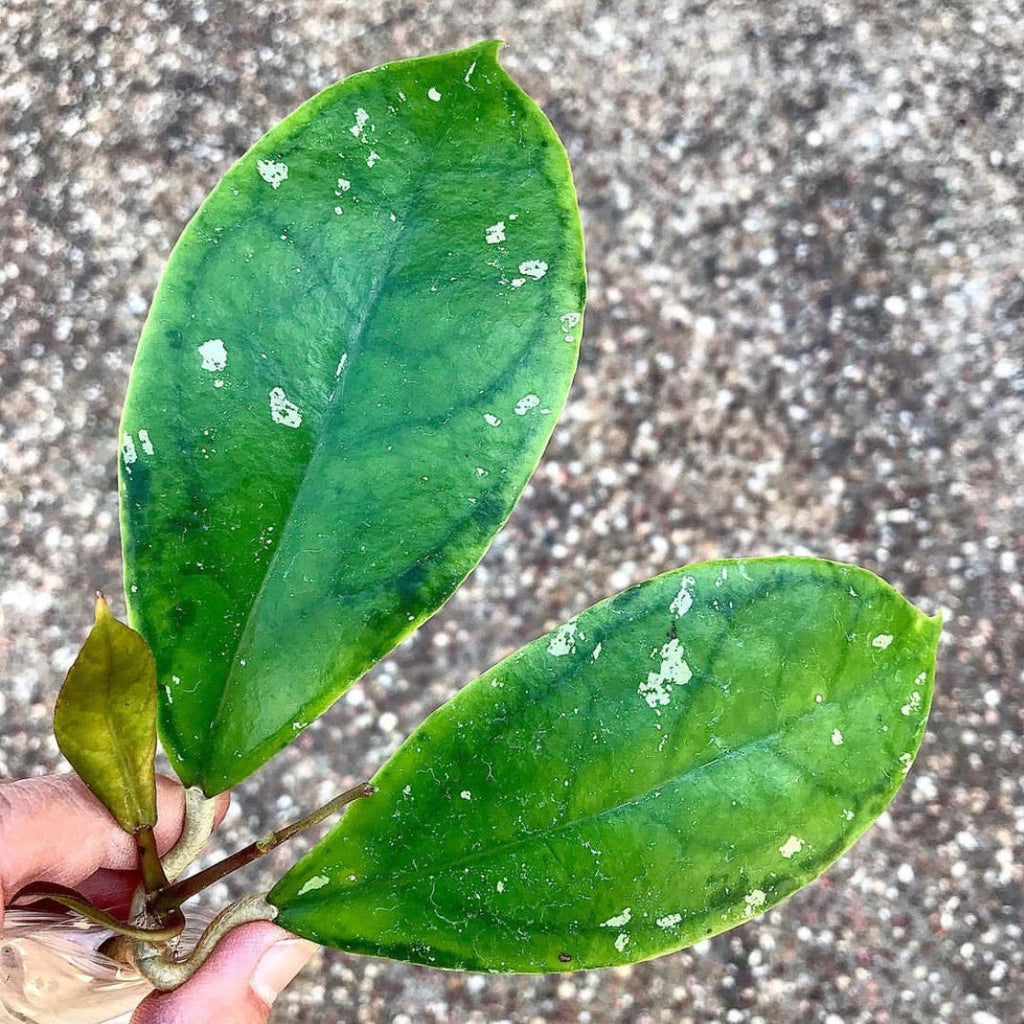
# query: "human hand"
[[53, 830]]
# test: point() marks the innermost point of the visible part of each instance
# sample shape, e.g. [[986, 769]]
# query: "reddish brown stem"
[[171, 897], [152, 871]]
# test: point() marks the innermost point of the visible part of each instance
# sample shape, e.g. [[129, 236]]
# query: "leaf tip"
[[102, 608], [489, 46], [486, 49], [931, 626]]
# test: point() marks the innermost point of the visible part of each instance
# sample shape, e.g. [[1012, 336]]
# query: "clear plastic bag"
[[52, 973]]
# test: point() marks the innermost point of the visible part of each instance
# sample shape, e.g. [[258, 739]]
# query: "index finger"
[[54, 830]]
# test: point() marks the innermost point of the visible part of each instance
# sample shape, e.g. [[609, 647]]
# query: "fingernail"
[[278, 966]]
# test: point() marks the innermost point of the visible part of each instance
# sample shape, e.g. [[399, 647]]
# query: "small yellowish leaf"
[[105, 719]]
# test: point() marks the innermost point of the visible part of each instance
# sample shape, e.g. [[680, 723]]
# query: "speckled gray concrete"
[[804, 335]]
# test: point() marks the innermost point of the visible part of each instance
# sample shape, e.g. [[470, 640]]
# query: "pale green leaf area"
[[105, 720], [666, 765], [351, 367]]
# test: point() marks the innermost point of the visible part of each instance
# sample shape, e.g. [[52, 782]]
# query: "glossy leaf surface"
[[664, 766], [105, 720], [352, 365]]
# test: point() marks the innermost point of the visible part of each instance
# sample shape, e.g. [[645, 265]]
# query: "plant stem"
[[153, 877], [165, 973], [172, 896], [195, 833], [73, 901]]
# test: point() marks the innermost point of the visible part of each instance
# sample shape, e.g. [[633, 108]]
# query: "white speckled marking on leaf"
[[282, 411], [213, 355], [362, 117], [913, 705], [535, 269], [316, 882], [563, 641], [129, 452], [673, 672], [619, 919], [272, 173], [683, 601], [754, 899], [793, 845]]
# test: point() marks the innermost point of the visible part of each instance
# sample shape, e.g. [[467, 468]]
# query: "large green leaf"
[[664, 766], [352, 364], [105, 720]]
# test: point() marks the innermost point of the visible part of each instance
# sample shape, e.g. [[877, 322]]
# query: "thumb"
[[237, 985]]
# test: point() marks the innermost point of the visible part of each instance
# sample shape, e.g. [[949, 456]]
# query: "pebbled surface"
[[351, 367], [804, 239]]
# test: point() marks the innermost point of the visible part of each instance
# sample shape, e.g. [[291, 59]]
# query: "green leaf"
[[105, 720], [352, 365], [667, 764]]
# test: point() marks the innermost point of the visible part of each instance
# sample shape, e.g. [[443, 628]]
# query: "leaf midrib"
[[524, 841], [334, 402], [132, 803]]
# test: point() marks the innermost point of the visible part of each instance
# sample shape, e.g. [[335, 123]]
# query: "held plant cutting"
[[351, 367]]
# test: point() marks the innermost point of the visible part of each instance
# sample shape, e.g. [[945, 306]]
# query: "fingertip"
[[278, 966], [36, 817], [238, 984], [170, 812], [223, 802], [170, 801]]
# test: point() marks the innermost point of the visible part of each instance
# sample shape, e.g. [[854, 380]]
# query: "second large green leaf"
[[352, 364], [664, 766]]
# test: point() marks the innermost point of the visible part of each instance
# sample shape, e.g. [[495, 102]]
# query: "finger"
[[54, 830], [239, 982], [112, 890]]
